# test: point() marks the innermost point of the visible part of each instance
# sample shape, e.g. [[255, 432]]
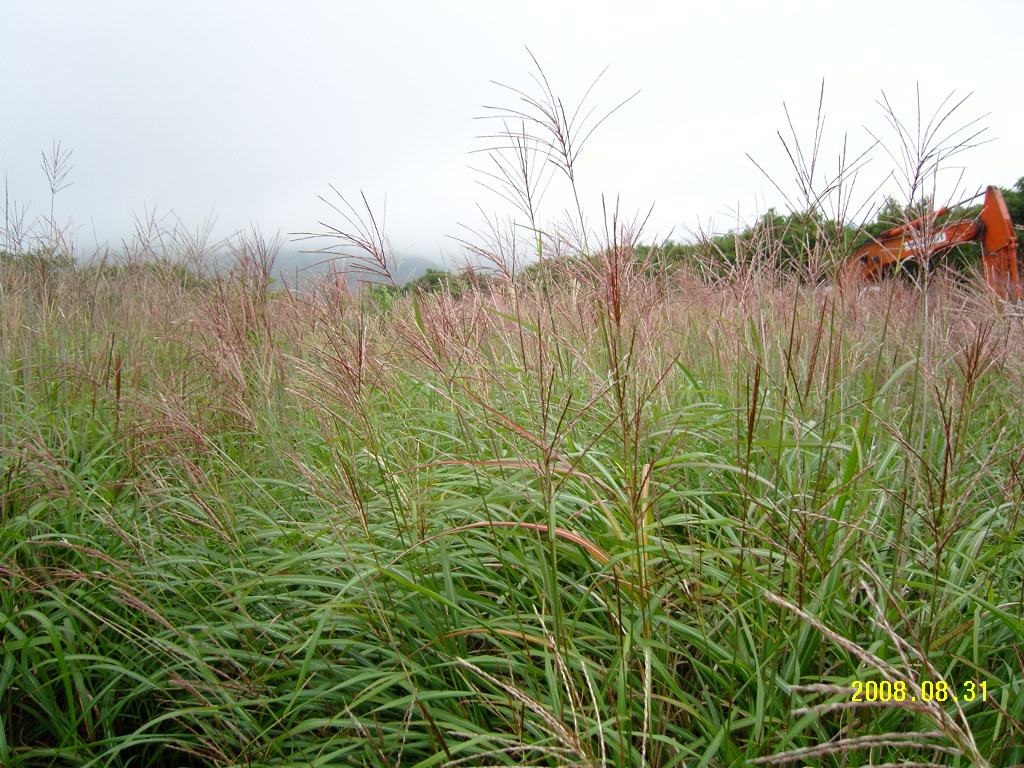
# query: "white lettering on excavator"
[[914, 245]]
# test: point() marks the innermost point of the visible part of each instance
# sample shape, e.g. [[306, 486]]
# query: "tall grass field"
[[615, 519], [604, 513]]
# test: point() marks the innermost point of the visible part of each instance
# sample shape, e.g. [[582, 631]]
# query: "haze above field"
[[250, 111]]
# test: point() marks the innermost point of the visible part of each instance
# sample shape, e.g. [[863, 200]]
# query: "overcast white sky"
[[251, 109]]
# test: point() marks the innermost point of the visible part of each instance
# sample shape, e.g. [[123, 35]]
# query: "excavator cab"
[[920, 241]]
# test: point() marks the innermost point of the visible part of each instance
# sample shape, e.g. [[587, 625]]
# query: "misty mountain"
[[294, 266]]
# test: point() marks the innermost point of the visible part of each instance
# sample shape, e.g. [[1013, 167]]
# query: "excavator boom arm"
[[999, 247]]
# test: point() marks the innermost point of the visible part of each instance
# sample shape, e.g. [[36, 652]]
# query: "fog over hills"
[[295, 265]]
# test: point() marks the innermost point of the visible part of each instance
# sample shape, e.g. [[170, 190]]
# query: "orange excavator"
[[921, 240]]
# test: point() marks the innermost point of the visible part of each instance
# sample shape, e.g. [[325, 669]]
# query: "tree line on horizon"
[[784, 241], [787, 240]]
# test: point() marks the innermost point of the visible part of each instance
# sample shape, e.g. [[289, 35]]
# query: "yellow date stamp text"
[[928, 690]]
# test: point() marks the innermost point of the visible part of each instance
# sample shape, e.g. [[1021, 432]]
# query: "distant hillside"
[[293, 264]]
